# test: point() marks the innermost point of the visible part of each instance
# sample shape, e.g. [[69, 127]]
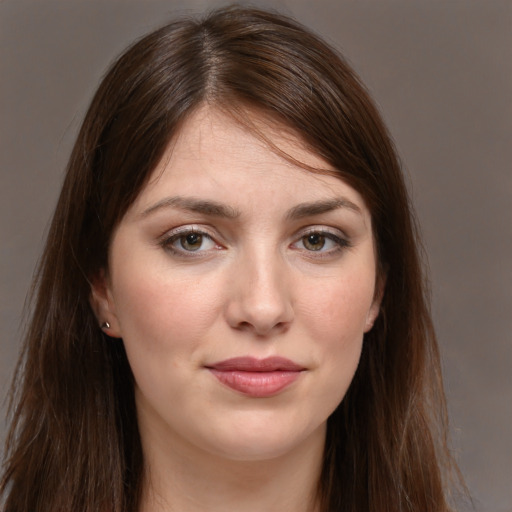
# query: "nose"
[[260, 298]]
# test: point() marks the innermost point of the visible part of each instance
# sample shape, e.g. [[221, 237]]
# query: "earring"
[[105, 325]]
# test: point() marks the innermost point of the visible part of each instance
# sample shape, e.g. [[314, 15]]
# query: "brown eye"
[[191, 241], [188, 241], [322, 242], [314, 241]]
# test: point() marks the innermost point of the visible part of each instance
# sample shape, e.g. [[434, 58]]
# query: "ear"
[[374, 310], [103, 305]]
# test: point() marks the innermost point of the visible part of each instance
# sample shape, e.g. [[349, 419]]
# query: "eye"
[[191, 242], [188, 241], [314, 241], [321, 241]]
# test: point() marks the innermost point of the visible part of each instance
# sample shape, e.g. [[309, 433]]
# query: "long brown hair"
[[74, 443]]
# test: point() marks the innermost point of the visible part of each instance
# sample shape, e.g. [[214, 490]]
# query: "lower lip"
[[257, 384]]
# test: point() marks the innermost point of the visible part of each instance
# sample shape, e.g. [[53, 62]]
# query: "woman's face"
[[241, 286]]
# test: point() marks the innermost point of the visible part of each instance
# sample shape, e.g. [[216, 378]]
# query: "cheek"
[[335, 317], [159, 312], [338, 310]]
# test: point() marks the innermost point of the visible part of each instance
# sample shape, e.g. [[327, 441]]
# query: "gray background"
[[441, 72]]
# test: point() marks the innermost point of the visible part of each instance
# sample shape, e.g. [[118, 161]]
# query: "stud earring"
[[105, 325]]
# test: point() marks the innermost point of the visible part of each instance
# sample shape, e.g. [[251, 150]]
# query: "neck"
[[179, 478]]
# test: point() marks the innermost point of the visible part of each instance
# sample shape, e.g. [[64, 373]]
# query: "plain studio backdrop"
[[441, 73]]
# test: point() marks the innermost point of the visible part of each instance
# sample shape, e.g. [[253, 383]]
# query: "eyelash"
[[168, 240], [341, 242]]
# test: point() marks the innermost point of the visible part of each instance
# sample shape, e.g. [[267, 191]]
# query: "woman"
[[230, 310]]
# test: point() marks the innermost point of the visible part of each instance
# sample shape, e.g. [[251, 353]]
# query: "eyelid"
[[336, 235], [185, 228], [170, 236], [327, 230]]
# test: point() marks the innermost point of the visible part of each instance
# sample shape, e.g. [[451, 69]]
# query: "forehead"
[[240, 162]]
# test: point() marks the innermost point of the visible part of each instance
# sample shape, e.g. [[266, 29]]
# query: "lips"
[[257, 378]]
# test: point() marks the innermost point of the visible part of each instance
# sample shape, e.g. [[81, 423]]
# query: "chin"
[[264, 441]]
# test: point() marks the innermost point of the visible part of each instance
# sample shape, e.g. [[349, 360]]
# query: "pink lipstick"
[[257, 378]]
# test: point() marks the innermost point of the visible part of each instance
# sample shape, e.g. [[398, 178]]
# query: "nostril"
[[261, 330], [263, 310], [244, 326]]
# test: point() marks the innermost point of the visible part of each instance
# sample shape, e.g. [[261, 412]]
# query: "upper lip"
[[253, 364]]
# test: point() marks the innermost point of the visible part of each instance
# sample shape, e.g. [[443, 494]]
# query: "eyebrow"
[[318, 207], [216, 209], [192, 204]]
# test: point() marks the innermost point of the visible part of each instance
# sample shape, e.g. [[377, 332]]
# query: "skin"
[[256, 281]]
